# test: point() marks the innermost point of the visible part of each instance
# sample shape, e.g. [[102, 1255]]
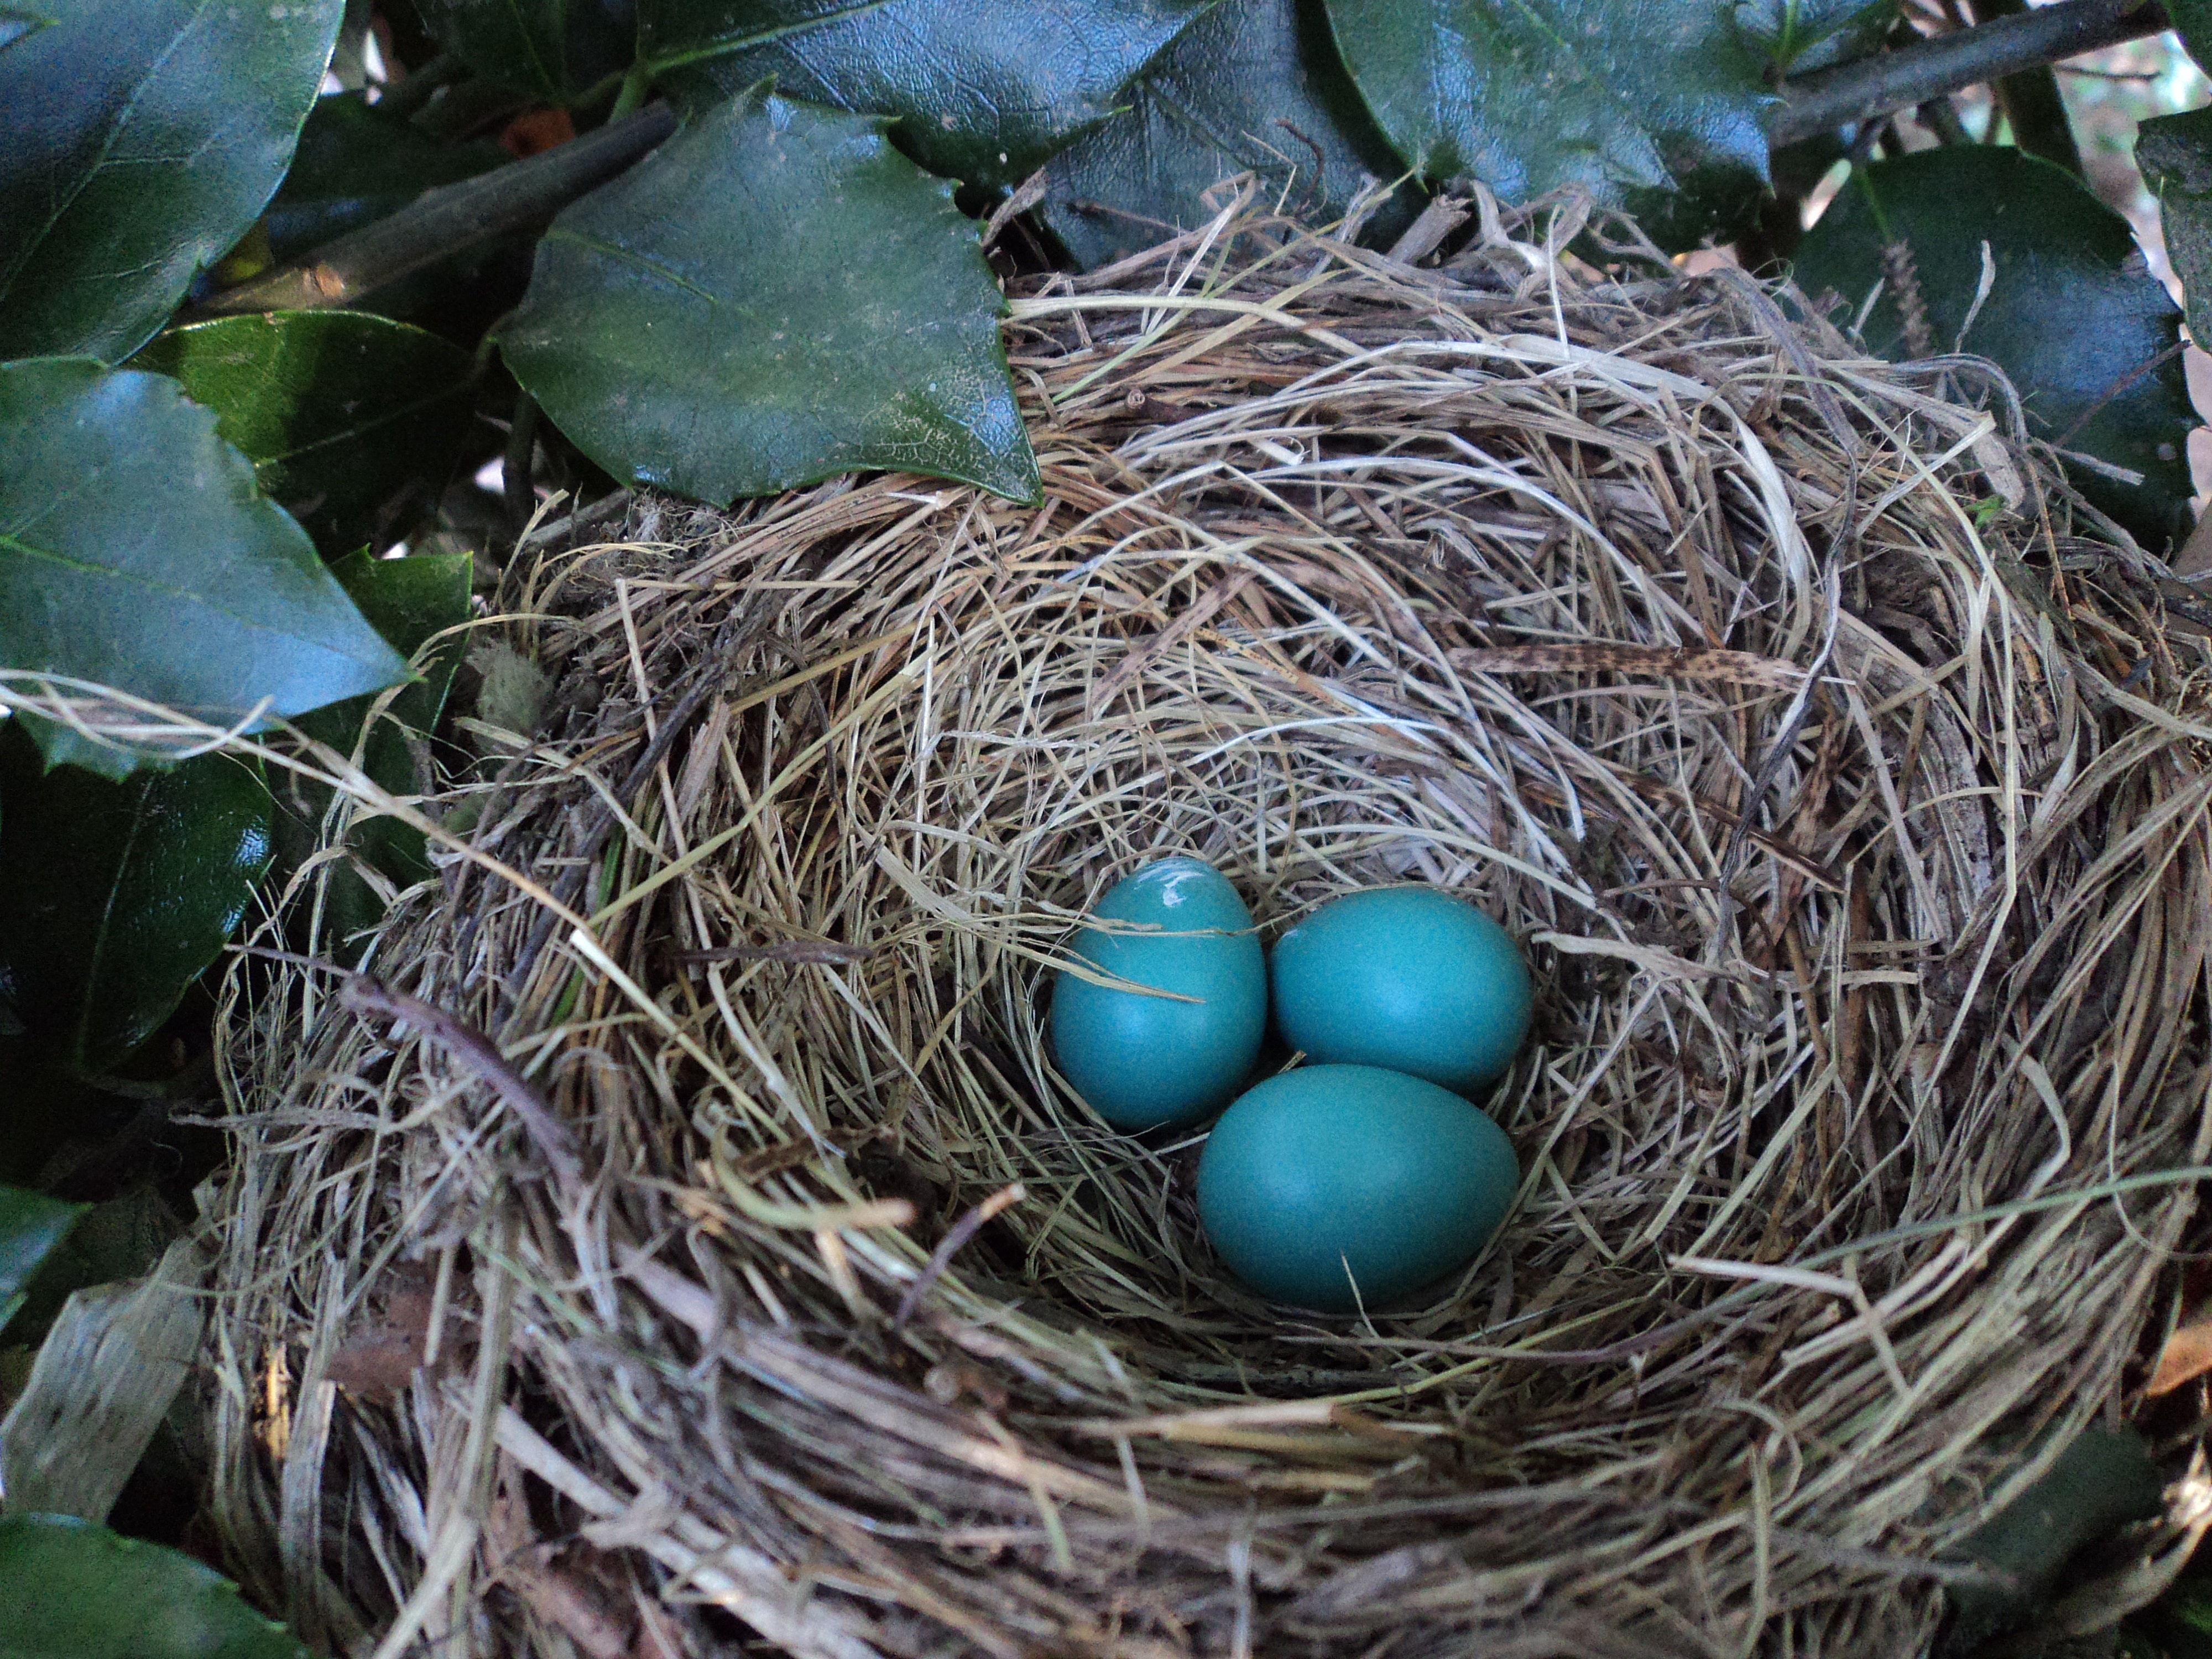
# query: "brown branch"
[[452, 217], [364, 995], [939, 1259], [1892, 80]]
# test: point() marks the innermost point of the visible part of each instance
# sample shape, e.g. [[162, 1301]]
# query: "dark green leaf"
[[119, 894], [2104, 1479], [556, 50], [411, 601], [69, 1589], [355, 165], [1638, 100], [773, 297], [142, 138], [31, 1226], [983, 92], [2182, 1618], [16, 23], [136, 552], [1254, 84], [2175, 154], [2087, 335], [1803, 35], [337, 411], [119, 1239]]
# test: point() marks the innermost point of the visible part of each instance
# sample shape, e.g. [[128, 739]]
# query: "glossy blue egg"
[[1409, 979], [1141, 1061], [1330, 1176]]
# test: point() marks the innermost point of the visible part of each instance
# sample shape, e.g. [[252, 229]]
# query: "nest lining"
[[1771, 700]]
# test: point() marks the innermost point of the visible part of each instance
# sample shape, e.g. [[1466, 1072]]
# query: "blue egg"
[[1332, 1176], [1407, 978], [1142, 1061]]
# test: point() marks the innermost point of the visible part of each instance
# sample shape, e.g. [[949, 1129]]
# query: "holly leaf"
[[339, 410], [142, 138], [119, 893], [1253, 85], [1640, 103], [415, 603], [2103, 1480], [17, 21], [774, 296], [119, 1239], [354, 166], [136, 552], [70, 1589], [2186, 1356], [2175, 154], [553, 50], [2073, 315], [31, 1226], [1801, 36], [410, 602], [982, 92]]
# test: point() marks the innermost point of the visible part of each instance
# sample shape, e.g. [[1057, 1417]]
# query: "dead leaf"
[[381, 1353], [579, 1603], [2186, 1357]]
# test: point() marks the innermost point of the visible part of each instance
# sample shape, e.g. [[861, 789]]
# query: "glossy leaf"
[[983, 91], [355, 165], [69, 1589], [1803, 35], [2087, 335], [2103, 1480], [31, 1226], [119, 894], [337, 411], [2175, 154], [1642, 100], [18, 22], [774, 296], [121, 1238], [556, 50], [136, 552], [411, 601], [142, 138], [1253, 85]]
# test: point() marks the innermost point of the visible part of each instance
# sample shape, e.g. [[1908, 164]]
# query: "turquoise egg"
[[1141, 1061], [1332, 1175], [1407, 978]]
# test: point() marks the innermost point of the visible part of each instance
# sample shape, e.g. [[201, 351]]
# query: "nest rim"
[[1088, 1440]]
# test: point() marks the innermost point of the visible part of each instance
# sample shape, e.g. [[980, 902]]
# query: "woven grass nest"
[[1837, 771]]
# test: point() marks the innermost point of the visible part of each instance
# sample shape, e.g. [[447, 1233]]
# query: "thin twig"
[[446, 220], [950, 1246], [823, 952], [1893, 80], [364, 995]]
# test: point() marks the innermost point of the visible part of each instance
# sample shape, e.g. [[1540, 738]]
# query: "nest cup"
[[1837, 771]]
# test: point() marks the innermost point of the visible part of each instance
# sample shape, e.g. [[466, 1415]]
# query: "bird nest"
[[684, 1241]]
